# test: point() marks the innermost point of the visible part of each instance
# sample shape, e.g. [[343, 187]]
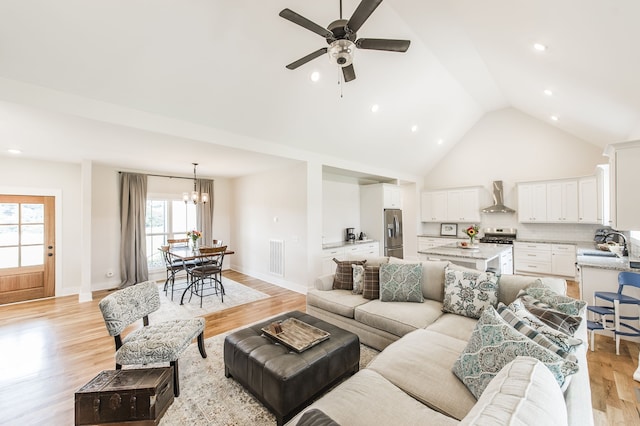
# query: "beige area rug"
[[207, 397], [235, 294]]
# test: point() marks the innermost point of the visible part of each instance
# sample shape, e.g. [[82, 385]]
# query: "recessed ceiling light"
[[414, 128], [315, 76], [548, 92], [554, 117], [540, 47], [375, 108], [440, 141], [14, 151]]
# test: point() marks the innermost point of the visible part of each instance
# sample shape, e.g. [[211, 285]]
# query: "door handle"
[[49, 247], [50, 254]]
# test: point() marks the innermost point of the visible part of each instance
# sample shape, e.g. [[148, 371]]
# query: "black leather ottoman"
[[283, 380]]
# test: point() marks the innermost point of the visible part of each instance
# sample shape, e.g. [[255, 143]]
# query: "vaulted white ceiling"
[[183, 79]]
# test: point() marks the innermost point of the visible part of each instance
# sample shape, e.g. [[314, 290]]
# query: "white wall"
[[62, 180], [511, 146], [340, 207], [267, 206]]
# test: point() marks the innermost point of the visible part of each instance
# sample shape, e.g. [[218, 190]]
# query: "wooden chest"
[[137, 397]]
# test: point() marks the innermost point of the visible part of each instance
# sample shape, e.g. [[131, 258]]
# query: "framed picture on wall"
[[449, 229]]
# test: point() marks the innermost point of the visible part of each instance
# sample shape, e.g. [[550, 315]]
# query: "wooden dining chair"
[[178, 241], [217, 243], [211, 269]]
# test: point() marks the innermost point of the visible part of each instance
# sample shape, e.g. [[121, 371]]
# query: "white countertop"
[[482, 252], [346, 243], [614, 263]]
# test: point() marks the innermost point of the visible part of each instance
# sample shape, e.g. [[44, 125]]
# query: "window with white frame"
[[167, 218]]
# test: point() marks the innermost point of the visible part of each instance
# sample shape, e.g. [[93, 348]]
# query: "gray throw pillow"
[[494, 344], [358, 278], [401, 283], [543, 293], [565, 341], [469, 293]]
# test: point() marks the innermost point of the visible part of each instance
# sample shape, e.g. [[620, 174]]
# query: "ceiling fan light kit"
[[342, 38]]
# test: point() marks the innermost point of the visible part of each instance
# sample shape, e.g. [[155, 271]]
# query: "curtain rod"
[[164, 176]]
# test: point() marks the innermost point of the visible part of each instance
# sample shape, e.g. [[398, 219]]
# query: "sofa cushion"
[[514, 321], [371, 284], [453, 325], [566, 323], [432, 277], [566, 304], [398, 318], [420, 364], [494, 344], [368, 399], [401, 283], [469, 293], [566, 342], [523, 392], [341, 302], [343, 278], [358, 278]]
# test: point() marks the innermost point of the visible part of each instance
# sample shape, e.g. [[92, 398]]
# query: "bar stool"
[[608, 316]]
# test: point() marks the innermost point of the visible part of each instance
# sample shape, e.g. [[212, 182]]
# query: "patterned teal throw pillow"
[[401, 283], [493, 344], [568, 305], [469, 293]]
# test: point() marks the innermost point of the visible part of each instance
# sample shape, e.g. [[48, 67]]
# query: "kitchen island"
[[599, 273], [481, 257]]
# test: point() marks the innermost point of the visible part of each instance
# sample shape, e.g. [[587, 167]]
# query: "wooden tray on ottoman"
[[135, 396], [297, 335]]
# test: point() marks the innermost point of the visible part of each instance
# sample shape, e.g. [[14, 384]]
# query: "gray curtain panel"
[[133, 241], [204, 212]]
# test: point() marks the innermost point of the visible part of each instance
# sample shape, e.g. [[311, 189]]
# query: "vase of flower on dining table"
[[194, 236]]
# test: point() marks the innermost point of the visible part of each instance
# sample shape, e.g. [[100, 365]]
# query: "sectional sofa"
[[411, 380]]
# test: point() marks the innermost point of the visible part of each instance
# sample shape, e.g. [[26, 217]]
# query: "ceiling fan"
[[342, 38]]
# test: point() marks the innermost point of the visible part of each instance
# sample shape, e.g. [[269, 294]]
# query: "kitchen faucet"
[[625, 252]]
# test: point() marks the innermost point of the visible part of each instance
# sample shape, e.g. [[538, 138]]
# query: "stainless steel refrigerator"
[[393, 233]]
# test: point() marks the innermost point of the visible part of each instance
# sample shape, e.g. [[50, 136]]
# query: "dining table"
[[189, 254]]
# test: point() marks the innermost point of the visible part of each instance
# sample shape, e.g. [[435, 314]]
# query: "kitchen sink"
[[594, 252]]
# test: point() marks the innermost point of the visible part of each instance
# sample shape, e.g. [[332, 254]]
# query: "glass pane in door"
[[32, 234], [8, 213], [8, 235], [9, 257], [32, 213], [32, 255]]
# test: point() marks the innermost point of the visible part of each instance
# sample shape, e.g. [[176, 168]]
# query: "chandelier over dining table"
[[195, 196]]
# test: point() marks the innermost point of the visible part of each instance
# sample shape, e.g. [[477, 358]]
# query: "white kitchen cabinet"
[[433, 206], [328, 265], [590, 207], [392, 196], [506, 262], [532, 202], [544, 258], [563, 260], [532, 258], [453, 205], [463, 205], [562, 201], [624, 167]]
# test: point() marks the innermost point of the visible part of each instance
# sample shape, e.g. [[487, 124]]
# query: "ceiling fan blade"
[[362, 13], [349, 73], [292, 16], [309, 57], [383, 44]]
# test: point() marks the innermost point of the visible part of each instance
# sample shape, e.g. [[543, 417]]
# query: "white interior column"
[[85, 235], [314, 221]]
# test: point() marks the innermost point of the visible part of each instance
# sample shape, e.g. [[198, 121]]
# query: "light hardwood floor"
[[49, 348]]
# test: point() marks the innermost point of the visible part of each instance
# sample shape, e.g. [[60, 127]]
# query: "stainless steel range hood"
[[498, 200]]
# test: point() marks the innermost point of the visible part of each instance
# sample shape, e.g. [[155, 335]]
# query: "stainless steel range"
[[499, 235]]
